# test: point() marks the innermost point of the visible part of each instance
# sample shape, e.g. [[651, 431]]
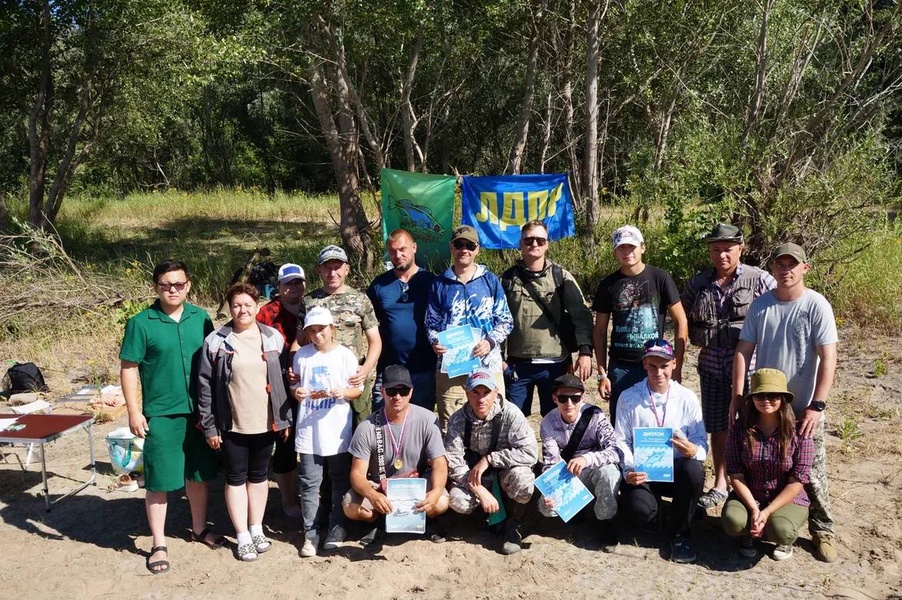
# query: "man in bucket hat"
[[792, 328], [716, 302]]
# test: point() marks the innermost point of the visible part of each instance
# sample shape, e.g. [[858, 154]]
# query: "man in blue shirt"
[[400, 297]]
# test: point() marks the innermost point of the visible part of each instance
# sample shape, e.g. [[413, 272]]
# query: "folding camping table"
[[42, 429]]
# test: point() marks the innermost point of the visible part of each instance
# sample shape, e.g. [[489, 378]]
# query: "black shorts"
[[246, 457]]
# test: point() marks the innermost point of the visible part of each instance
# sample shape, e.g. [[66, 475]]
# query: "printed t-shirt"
[[324, 421], [637, 305], [421, 442]]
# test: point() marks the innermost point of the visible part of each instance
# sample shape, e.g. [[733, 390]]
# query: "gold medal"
[[399, 463]]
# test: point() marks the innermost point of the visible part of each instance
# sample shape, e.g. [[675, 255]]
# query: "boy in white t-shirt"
[[323, 430]]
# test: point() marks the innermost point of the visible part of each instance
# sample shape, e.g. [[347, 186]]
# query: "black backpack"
[[24, 377]]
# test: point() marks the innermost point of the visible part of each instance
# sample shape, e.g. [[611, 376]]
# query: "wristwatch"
[[818, 405], [601, 377]]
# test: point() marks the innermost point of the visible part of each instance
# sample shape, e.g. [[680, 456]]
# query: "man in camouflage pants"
[[356, 326], [792, 328], [489, 438]]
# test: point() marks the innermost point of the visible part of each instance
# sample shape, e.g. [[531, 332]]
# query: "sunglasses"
[[461, 244], [534, 241], [767, 397], [404, 288], [168, 287], [659, 344], [402, 390], [565, 398]]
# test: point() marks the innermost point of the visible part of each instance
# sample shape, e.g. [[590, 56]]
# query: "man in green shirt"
[[161, 348]]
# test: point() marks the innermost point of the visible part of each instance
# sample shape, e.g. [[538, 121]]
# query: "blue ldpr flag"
[[499, 206]]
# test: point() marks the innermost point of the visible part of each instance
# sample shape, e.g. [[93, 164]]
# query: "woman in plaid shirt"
[[768, 464]]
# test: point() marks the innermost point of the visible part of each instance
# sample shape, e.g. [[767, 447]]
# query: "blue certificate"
[[653, 452], [566, 491], [459, 359], [404, 494]]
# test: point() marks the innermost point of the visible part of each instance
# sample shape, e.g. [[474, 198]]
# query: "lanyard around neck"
[[654, 407]]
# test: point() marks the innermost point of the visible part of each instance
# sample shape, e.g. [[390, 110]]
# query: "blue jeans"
[[423, 391], [624, 375], [310, 478], [523, 377]]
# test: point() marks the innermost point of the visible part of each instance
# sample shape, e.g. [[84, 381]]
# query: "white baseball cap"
[[289, 272], [628, 235], [318, 315]]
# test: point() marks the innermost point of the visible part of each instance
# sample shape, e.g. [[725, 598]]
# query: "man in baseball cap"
[[490, 445], [331, 252], [635, 300], [793, 329], [580, 434]]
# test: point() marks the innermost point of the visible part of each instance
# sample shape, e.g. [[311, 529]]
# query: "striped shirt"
[[598, 445], [765, 471]]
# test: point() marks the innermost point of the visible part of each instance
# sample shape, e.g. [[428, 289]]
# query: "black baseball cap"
[[396, 376]]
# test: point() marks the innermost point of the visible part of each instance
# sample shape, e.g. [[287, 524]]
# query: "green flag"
[[424, 206]]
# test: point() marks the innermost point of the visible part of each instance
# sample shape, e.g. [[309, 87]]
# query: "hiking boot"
[[334, 538], [681, 550], [783, 552], [826, 547], [711, 498], [607, 536], [747, 547], [311, 542]]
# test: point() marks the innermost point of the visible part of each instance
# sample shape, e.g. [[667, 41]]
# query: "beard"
[[404, 267]]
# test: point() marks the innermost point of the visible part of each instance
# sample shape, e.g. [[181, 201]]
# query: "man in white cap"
[[490, 444], [634, 300], [356, 326], [792, 328], [283, 314]]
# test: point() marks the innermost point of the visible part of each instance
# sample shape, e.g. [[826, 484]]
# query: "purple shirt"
[[766, 472], [598, 445]]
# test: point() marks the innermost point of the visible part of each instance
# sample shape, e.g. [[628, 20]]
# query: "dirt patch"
[[94, 544]]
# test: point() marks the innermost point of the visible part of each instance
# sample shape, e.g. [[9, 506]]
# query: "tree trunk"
[[39, 127], [408, 118], [590, 157], [516, 156]]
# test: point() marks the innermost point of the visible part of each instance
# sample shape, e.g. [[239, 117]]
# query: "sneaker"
[[247, 553], [334, 538], [372, 539], [711, 498], [747, 547], [310, 544], [681, 550], [261, 543], [826, 547], [513, 541], [782, 552], [435, 532]]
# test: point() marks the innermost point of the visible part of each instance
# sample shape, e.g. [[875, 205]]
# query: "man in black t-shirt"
[[634, 300]]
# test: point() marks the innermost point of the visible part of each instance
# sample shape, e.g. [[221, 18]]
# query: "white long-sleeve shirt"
[[679, 410]]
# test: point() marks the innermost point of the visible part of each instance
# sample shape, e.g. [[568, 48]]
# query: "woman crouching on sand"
[[768, 463], [240, 411]]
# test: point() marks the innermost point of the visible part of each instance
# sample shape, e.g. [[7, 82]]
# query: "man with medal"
[[658, 401], [400, 440]]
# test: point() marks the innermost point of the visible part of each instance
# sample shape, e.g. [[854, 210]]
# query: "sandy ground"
[[94, 544]]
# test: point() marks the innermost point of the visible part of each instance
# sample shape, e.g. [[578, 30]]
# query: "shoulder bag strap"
[[534, 294], [578, 433], [380, 447]]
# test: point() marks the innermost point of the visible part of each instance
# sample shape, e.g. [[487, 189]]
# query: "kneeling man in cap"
[[401, 440], [581, 435], [489, 438]]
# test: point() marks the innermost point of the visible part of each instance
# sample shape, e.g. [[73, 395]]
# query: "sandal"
[[164, 563], [711, 498], [216, 544], [261, 543], [247, 552]]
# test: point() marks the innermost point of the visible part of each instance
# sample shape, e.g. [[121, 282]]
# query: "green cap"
[[770, 381], [722, 232], [789, 249]]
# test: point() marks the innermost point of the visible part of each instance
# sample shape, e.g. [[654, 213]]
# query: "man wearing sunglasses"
[[544, 300], [792, 328], [491, 450], [658, 401], [408, 445], [399, 297], [634, 300], [580, 434], [161, 349], [467, 294]]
